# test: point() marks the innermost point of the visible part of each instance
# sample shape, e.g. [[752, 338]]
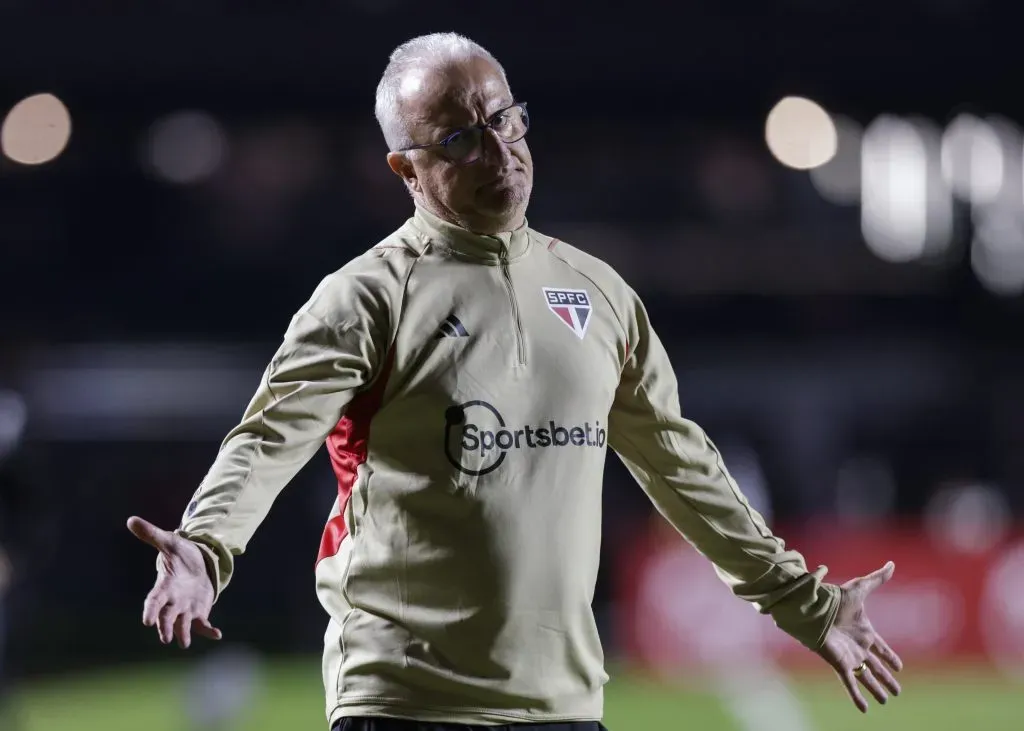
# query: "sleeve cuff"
[[809, 610], [217, 569]]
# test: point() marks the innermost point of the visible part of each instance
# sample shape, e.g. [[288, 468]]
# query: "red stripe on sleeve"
[[348, 447]]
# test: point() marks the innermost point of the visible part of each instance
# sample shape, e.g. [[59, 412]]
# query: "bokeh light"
[[36, 130], [969, 517], [800, 133], [906, 210], [997, 252], [186, 147], [838, 180], [972, 159]]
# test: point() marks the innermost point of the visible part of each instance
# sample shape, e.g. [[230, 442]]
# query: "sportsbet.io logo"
[[477, 439]]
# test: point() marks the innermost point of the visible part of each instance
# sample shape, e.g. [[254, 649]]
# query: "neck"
[[483, 225], [502, 245]]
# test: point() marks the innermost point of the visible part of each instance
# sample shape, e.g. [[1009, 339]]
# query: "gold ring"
[[860, 669]]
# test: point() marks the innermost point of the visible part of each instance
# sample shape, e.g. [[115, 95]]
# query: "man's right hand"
[[182, 598]]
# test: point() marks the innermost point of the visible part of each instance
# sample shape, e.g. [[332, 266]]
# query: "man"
[[467, 374]]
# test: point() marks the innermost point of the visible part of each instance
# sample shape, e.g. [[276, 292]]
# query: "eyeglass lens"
[[510, 126]]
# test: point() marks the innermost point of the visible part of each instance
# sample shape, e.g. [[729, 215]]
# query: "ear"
[[402, 166]]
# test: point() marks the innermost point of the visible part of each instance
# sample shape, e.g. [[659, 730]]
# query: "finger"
[[869, 681], [146, 532], [882, 649], [881, 672], [852, 687], [183, 630], [201, 626], [152, 607], [165, 623]]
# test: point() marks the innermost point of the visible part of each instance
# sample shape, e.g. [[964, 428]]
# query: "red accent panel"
[[348, 447]]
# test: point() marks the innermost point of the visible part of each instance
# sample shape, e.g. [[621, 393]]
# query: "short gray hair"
[[417, 54]]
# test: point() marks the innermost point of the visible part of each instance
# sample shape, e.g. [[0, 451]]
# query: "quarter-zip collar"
[[506, 245]]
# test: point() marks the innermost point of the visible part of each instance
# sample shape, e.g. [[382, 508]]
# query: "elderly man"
[[467, 374]]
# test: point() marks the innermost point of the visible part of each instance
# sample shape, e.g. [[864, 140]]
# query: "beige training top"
[[466, 388]]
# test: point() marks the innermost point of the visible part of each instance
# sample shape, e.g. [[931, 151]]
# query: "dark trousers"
[[391, 724]]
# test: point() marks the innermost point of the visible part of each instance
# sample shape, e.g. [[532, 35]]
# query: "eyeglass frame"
[[482, 127]]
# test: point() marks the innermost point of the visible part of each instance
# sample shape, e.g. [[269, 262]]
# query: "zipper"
[[516, 319]]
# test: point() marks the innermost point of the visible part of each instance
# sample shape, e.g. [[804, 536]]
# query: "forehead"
[[456, 94]]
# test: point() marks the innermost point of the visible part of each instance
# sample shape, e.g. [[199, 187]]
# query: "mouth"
[[503, 180]]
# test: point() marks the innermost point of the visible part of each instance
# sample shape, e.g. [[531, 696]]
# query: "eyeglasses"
[[465, 146]]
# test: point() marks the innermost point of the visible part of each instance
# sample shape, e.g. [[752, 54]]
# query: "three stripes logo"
[[452, 328]]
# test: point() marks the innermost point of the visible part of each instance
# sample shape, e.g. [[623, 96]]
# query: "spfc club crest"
[[572, 307]]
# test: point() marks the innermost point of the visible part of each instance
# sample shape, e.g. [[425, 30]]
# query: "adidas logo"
[[452, 328]]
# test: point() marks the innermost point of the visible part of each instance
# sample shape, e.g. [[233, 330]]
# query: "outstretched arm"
[[683, 474], [303, 394], [324, 360]]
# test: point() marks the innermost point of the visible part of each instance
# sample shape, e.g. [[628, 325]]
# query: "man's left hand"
[[855, 651]]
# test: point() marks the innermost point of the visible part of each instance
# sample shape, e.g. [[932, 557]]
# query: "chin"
[[504, 199], [508, 214]]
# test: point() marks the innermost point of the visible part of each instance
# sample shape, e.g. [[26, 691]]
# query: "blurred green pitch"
[[151, 699]]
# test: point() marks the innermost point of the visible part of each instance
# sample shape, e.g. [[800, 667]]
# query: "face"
[[488, 195]]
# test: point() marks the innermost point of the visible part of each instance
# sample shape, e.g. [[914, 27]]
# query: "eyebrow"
[[448, 129], [505, 104], [445, 131]]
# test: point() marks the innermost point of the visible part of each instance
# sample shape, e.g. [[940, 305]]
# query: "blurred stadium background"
[[821, 202]]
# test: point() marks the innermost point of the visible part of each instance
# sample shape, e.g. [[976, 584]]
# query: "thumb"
[[146, 532], [204, 628], [878, 577]]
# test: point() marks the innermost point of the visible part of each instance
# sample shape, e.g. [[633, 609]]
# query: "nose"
[[495, 150]]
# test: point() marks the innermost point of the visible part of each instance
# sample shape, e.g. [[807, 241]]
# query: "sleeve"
[[682, 472], [317, 370]]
